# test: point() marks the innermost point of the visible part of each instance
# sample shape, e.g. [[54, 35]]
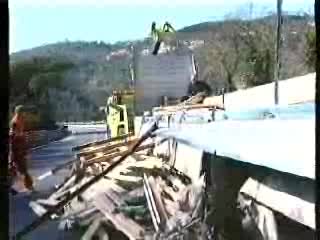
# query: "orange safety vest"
[[17, 126]]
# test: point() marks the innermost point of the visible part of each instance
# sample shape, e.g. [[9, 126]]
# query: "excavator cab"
[[120, 113]]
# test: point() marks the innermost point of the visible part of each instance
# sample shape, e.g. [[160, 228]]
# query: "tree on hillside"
[[229, 55], [223, 55], [41, 82], [310, 51], [259, 53], [20, 75], [31, 80], [26, 76]]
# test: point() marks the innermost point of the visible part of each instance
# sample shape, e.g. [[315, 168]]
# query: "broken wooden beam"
[[121, 137], [66, 185], [124, 224], [171, 109], [50, 202], [120, 154], [151, 208], [37, 222], [293, 207], [158, 201], [196, 99], [56, 169], [92, 229], [104, 153], [105, 148]]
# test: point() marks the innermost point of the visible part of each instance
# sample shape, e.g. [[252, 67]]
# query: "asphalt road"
[[40, 161]]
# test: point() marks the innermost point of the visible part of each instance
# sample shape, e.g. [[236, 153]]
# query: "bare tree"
[[224, 54]]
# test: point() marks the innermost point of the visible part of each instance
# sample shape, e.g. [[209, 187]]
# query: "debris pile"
[[142, 197]]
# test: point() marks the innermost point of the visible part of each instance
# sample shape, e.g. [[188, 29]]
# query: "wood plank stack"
[[140, 198]]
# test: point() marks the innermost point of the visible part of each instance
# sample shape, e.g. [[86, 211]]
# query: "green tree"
[[31, 80], [310, 51], [43, 81], [20, 75], [259, 54]]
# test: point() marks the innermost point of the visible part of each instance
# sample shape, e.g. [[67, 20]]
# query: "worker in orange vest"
[[18, 151]]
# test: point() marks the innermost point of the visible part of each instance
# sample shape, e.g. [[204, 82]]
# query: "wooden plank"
[[132, 179], [151, 209], [114, 155], [174, 195], [171, 109], [100, 187], [135, 193], [104, 148], [65, 186], [37, 208], [47, 202], [81, 213], [124, 224], [102, 234], [92, 229], [40, 210], [89, 219], [158, 200], [99, 154], [171, 207], [293, 207], [122, 137]]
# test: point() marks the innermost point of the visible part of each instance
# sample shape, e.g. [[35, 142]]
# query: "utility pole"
[[132, 65], [250, 10], [317, 97], [277, 52]]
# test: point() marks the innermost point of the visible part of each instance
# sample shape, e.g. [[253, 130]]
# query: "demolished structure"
[[192, 170], [185, 177]]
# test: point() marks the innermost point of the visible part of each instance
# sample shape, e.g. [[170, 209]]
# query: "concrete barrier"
[[40, 138]]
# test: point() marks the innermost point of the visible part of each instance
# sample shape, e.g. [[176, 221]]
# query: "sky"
[[38, 22]]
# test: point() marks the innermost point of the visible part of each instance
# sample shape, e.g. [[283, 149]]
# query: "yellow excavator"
[[120, 113], [120, 108]]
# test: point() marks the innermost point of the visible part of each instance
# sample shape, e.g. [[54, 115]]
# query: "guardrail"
[[40, 138], [89, 132], [82, 123]]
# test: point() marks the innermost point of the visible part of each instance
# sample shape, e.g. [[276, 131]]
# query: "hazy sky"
[[37, 22]]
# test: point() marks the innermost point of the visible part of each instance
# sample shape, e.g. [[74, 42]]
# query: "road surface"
[[42, 160]]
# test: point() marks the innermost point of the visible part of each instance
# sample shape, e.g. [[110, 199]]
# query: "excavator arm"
[[167, 27], [115, 107]]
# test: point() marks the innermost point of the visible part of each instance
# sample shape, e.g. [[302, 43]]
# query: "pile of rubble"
[[141, 197]]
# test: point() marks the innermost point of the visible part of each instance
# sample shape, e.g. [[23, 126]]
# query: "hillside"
[[234, 54]]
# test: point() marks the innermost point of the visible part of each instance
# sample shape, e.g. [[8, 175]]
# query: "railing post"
[[222, 96]]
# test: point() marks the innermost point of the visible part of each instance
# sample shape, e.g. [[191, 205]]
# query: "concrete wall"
[[294, 90], [161, 75]]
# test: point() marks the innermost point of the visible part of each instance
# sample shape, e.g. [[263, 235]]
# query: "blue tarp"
[[285, 143], [297, 111]]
